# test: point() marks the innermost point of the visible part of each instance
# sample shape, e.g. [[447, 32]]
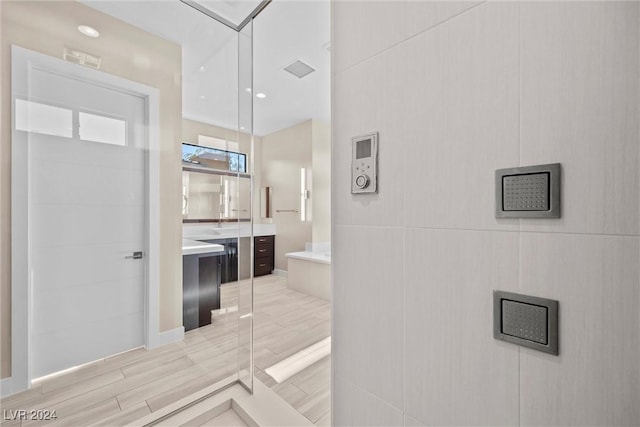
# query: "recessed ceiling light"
[[202, 68], [261, 95], [248, 89], [201, 96], [88, 31], [241, 127]]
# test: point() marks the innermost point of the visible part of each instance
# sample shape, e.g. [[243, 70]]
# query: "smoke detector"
[[299, 69]]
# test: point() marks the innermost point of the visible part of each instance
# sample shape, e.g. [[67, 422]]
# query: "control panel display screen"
[[363, 149]]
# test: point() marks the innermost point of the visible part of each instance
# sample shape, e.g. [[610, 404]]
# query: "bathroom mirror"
[[265, 202], [212, 196]]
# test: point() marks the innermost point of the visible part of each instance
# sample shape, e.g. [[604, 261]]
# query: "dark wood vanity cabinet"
[[263, 255], [200, 289]]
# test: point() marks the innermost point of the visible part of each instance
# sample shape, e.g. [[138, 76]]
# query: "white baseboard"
[[6, 387], [281, 273], [167, 337]]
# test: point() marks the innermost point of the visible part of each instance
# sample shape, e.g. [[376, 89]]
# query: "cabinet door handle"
[[262, 250], [262, 240], [262, 265]]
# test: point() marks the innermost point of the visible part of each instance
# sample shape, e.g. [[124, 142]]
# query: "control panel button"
[[362, 181]]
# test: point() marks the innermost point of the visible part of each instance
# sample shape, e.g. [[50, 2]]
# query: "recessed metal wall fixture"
[[528, 192]]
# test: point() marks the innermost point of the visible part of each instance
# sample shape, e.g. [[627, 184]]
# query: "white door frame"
[[23, 61]]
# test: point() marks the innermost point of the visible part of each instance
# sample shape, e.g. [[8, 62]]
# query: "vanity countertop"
[[213, 232], [193, 247]]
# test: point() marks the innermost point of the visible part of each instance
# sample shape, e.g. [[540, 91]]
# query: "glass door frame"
[[245, 91]]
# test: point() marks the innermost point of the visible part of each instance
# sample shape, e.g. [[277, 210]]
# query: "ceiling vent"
[[299, 69]]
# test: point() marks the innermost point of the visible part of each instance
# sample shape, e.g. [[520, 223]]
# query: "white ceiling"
[[283, 32]]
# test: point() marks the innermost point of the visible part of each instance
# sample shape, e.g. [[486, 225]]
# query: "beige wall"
[[128, 52], [283, 154], [321, 191], [191, 129], [457, 90]]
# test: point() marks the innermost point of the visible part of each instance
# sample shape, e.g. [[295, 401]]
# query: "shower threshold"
[[262, 408]]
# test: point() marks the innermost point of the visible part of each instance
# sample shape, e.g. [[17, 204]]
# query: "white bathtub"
[[309, 271], [323, 258]]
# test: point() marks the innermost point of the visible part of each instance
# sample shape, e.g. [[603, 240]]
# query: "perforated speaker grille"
[[524, 321], [528, 192]]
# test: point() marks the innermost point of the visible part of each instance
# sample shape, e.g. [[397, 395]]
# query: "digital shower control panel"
[[364, 164]]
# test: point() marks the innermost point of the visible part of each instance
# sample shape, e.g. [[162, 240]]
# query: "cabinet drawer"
[[263, 250], [262, 267], [263, 239]]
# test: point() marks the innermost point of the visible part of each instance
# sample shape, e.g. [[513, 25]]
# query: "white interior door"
[[86, 205]]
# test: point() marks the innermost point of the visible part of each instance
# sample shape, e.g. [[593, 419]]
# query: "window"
[[214, 158], [43, 118], [102, 129], [48, 119]]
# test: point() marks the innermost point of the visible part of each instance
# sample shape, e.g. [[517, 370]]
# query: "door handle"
[[136, 255]]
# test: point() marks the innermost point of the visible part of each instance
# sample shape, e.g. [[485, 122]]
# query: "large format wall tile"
[[354, 406], [455, 372], [419, 16], [489, 86], [363, 29], [462, 118], [596, 378], [367, 310], [358, 110], [366, 28], [579, 107], [412, 422]]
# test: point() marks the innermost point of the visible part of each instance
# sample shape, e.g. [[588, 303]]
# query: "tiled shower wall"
[[457, 90]]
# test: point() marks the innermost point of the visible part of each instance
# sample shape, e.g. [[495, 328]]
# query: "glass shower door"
[[245, 126]]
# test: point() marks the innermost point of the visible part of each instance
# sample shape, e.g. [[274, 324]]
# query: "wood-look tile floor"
[[285, 323], [125, 387]]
